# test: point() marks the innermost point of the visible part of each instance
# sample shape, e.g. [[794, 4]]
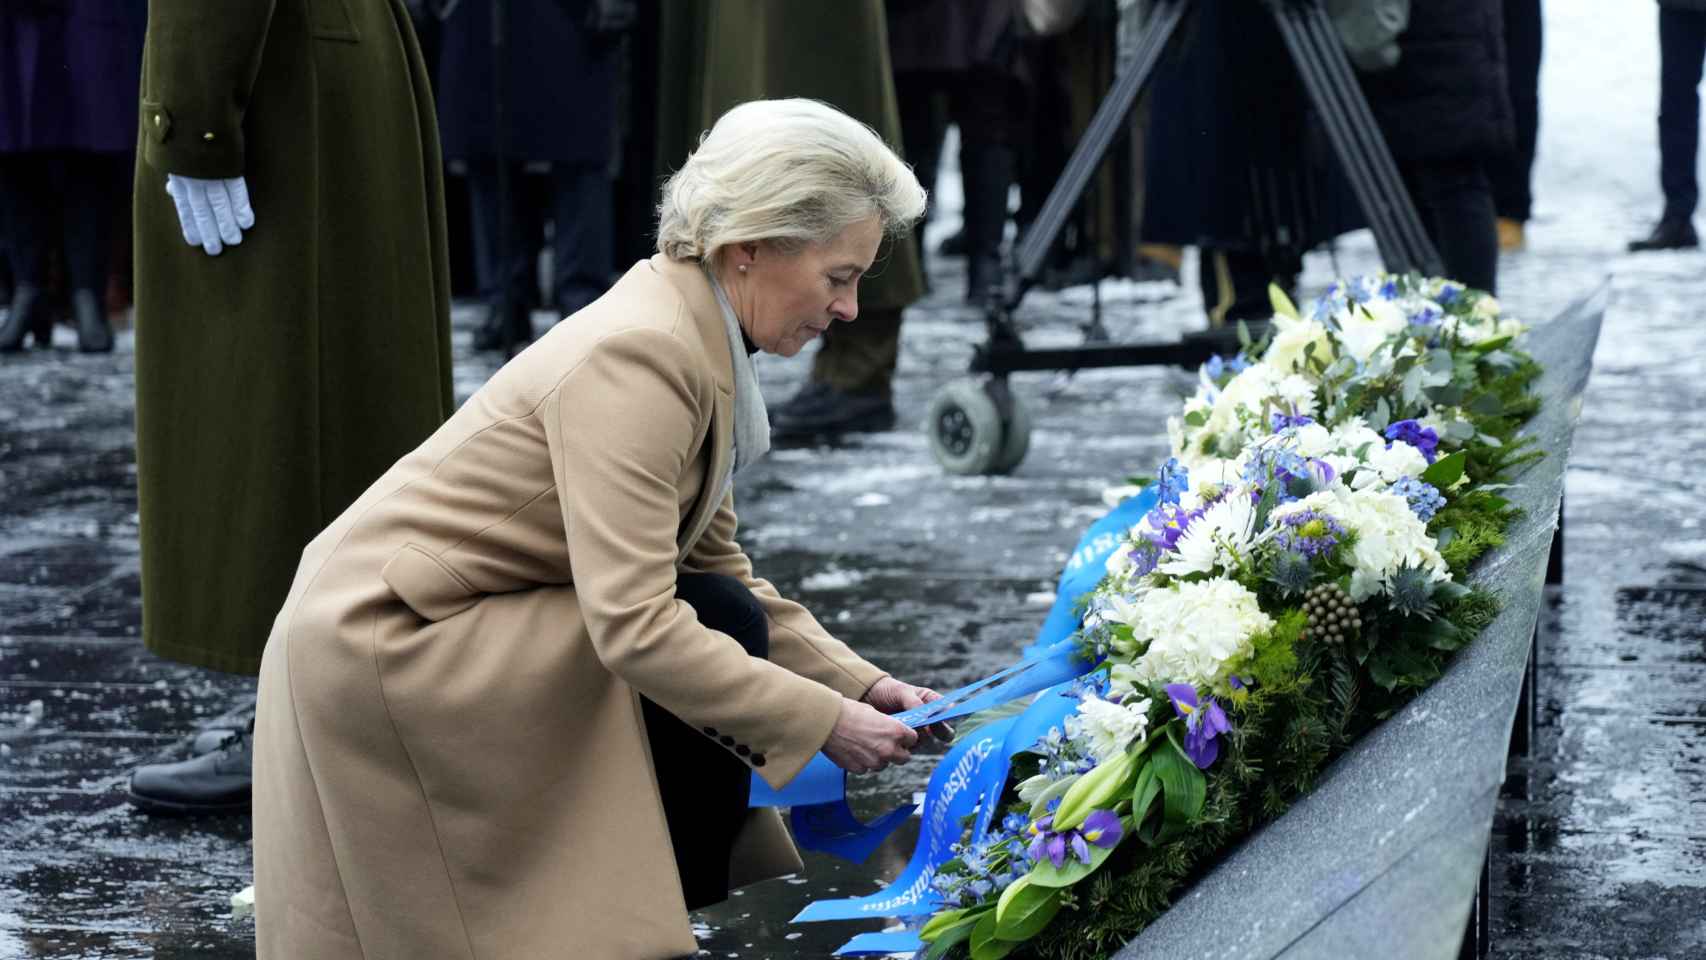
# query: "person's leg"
[[704, 786], [88, 193], [1682, 44], [581, 256], [504, 286], [23, 214], [1512, 173], [984, 108], [1456, 205]]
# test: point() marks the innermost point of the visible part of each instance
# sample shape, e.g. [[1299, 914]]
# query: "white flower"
[[1112, 727], [1389, 535], [1193, 630], [1032, 788], [1364, 327], [1217, 538], [1291, 338], [1385, 465], [1313, 440], [1297, 393]]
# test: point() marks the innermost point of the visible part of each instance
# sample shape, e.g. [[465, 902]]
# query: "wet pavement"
[[1599, 849]]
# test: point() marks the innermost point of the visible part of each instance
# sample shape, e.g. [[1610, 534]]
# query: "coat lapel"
[[689, 280]]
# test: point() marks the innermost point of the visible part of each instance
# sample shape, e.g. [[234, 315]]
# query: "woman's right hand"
[[865, 741]]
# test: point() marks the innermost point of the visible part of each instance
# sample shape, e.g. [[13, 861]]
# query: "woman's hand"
[[865, 741], [892, 696]]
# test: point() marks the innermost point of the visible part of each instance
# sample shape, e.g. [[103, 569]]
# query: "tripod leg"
[[1104, 127], [1387, 235], [1362, 121]]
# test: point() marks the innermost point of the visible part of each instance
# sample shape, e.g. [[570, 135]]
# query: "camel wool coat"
[[450, 759]]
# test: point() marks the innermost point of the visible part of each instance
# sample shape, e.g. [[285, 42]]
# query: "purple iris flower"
[[1204, 720], [1101, 828], [1416, 435], [1170, 522], [1321, 472]]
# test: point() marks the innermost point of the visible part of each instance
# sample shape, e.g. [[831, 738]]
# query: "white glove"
[[213, 213]]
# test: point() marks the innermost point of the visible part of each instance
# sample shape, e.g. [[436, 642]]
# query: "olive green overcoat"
[[275, 381], [760, 49]]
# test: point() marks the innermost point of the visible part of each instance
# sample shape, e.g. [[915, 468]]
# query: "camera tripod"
[[976, 426]]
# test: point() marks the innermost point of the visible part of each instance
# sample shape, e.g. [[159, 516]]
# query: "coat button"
[[709, 731], [757, 760], [742, 749], [726, 740], [208, 136]]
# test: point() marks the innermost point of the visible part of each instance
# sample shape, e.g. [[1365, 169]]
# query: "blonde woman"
[[514, 701]]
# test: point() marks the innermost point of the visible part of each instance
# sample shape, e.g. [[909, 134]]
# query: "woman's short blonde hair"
[[791, 172]]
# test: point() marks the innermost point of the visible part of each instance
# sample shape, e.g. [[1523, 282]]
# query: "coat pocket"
[[333, 20], [431, 589]]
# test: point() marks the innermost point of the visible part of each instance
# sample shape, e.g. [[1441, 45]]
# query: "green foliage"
[[1273, 660]]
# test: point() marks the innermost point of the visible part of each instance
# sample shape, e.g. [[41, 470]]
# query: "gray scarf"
[[752, 421]]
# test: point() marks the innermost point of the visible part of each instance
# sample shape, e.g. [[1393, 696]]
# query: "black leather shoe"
[[93, 334], [829, 411], [1668, 235], [213, 783], [212, 739], [26, 303]]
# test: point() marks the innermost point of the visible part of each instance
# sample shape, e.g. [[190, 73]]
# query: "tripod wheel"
[[968, 434]]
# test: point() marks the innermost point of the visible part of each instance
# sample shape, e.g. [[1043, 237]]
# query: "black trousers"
[[1455, 201], [577, 201], [705, 788], [1512, 173], [1682, 49], [60, 199]]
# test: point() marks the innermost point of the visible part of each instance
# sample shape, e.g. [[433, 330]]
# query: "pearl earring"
[[741, 268]]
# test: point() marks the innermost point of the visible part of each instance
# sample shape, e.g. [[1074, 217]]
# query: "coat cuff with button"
[[199, 63]]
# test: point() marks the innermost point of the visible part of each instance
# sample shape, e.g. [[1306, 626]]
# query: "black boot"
[[213, 783], [1672, 233], [93, 334], [26, 304], [820, 410], [987, 169]]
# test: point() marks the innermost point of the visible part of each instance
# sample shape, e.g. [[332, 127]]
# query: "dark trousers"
[[64, 200], [1682, 48], [1455, 201], [577, 200], [1512, 173], [705, 788]]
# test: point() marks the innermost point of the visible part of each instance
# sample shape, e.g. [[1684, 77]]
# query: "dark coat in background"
[[68, 74], [758, 49], [1447, 97], [275, 381], [948, 35], [559, 96], [1234, 156]]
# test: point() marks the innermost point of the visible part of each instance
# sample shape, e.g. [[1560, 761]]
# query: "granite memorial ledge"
[[1384, 857]]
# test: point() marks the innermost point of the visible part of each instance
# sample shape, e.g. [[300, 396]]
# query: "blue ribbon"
[[970, 777]]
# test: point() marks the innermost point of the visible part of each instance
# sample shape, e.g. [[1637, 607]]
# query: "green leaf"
[[1488, 346], [1098, 788], [1281, 303], [1440, 361], [943, 921], [1196, 418], [1487, 405], [1144, 795], [1243, 335], [1446, 470], [985, 944], [1055, 789], [1025, 909], [1183, 787], [1381, 416]]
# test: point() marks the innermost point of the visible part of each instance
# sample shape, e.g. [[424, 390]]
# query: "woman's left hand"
[[892, 696]]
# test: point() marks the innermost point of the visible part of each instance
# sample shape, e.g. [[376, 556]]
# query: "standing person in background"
[[559, 95], [1682, 50], [1513, 174], [836, 53], [964, 51], [292, 315], [67, 128], [1446, 114]]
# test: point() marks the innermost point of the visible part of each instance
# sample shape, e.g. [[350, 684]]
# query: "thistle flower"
[[1291, 572], [1411, 592]]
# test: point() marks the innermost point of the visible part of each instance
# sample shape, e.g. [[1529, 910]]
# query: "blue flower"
[[1309, 532], [1014, 822], [1425, 499], [1449, 292], [1416, 435], [1174, 480], [1284, 421]]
